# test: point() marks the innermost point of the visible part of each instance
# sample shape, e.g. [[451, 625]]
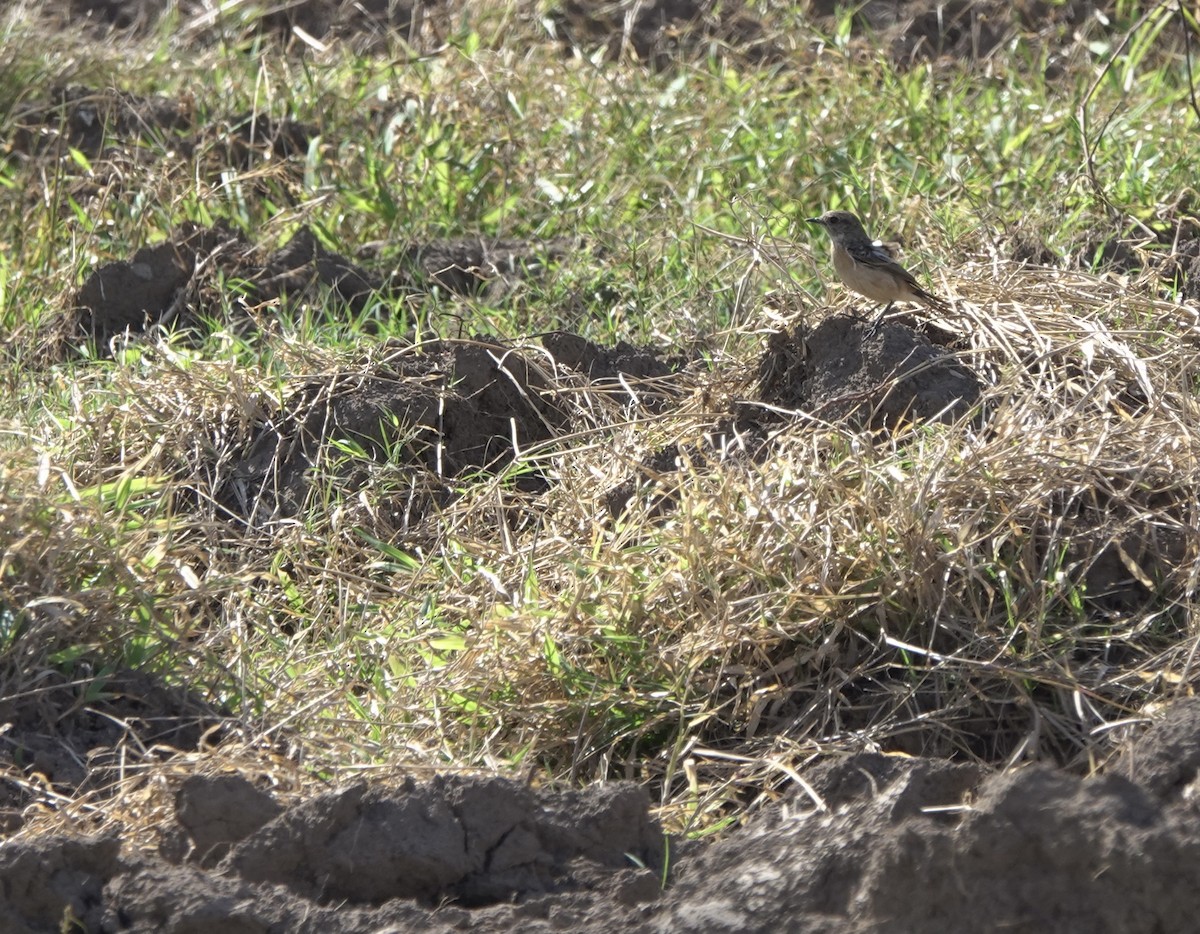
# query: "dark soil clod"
[[1033, 848], [876, 377], [443, 408]]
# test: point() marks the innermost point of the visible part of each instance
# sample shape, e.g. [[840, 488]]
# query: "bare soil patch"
[[443, 408], [921, 845], [847, 370], [848, 849]]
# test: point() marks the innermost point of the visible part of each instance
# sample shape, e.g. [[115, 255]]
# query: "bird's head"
[[842, 225]]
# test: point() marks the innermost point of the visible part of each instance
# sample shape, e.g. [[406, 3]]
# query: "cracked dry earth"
[[873, 842]]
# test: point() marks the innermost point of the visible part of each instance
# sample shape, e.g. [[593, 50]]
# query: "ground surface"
[[860, 841], [868, 842]]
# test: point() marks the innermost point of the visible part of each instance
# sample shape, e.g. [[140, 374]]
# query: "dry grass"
[[1014, 586], [932, 591]]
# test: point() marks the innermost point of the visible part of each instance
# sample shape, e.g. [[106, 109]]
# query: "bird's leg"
[[879, 318]]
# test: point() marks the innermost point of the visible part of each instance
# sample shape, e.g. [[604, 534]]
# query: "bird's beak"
[[815, 220]]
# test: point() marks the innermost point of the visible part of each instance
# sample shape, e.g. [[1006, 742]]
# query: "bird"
[[865, 266]]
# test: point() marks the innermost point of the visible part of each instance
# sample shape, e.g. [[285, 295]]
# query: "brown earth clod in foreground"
[[871, 842]]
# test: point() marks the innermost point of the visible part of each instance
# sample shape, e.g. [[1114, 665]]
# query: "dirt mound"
[[180, 282], [919, 845], [641, 376], [352, 859], [446, 407], [608, 364], [877, 376], [1162, 249], [1034, 848], [149, 290], [846, 370]]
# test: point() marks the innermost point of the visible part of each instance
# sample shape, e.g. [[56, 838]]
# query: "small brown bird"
[[867, 268]]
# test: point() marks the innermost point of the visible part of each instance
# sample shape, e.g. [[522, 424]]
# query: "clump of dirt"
[[179, 281], [1106, 252], [1189, 272], [74, 737], [877, 376], [118, 14], [353, 859], [641, 376], [607, 364], [1178, 261], [474, 841], [658, 33], [443, 408], [1033, 848], [919, 30], [1029, 249], [161, 286], [346, 19], [153, 289], [967, 30], [847, 369], [303, 264], [113, 127], [214, 812], [1171, 251], [1166, 757]]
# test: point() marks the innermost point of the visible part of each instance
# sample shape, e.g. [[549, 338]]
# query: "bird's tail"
[[932, 302]]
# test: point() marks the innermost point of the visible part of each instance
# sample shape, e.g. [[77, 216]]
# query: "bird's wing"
[[874, 255]]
